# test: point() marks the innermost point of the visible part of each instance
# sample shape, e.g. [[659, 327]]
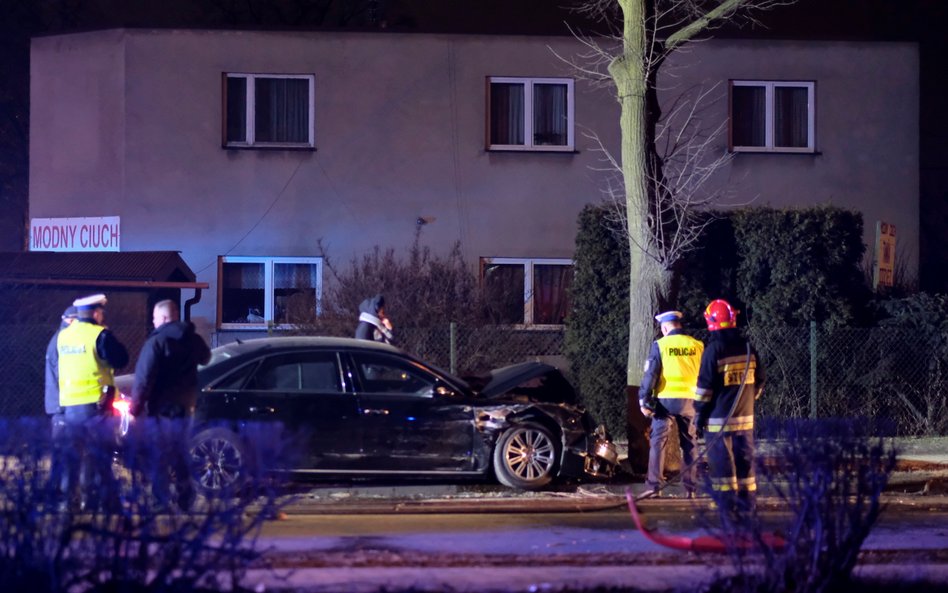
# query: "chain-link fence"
[[891, 376], [23, 364], [883, 374]]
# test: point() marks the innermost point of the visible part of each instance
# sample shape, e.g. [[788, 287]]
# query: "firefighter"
[[729, 381], [667, 396]]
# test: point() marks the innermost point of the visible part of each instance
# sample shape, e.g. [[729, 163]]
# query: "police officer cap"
[[668, 316], [90, 302], [69, 313]]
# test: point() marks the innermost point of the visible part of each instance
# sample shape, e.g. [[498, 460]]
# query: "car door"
[[305, 392], [410, 421]]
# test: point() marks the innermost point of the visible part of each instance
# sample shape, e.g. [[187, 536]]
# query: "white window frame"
[[528, 114], [250, 141], [528, 263], [769, 86], [268, 289]]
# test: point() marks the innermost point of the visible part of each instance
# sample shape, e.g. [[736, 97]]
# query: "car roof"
[[241, 346], [237, 349]]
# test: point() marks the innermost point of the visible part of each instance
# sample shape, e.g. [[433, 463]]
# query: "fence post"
[[453, 346], [813, 383]]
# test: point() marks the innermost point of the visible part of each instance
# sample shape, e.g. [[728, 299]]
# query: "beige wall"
[[867, 128], [128, 123]]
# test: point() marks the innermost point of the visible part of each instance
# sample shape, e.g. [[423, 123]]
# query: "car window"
[[297, 372], [234, 380], [381, 374]]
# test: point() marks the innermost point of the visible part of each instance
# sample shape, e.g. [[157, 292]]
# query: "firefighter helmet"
[[720, 315]]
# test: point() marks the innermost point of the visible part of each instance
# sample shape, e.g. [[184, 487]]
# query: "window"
[[266, 110], [528, 291], [255, 292], [772, 116], [308, 372], [380, 374], [530, 114]]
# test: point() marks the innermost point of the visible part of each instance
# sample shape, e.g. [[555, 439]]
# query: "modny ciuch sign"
[[75, 234]]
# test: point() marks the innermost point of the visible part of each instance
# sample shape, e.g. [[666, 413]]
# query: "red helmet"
[[720, 315]]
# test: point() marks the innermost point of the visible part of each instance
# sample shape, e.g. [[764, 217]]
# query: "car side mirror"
[[443, 391]]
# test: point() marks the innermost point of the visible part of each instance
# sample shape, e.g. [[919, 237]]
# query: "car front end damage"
[[588, 453], [586, 450]]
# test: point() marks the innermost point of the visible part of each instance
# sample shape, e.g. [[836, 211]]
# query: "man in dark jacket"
[[53, 409], [373, 323], [166, 372], [165, 388], [730, 379]]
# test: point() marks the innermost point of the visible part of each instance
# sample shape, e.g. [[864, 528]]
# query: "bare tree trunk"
[[629, 73]]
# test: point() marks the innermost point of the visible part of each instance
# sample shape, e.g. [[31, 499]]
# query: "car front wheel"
[[525, 457], [218, 461]]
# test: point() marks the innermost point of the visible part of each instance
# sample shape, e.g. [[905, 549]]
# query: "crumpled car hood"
[[534, 381]]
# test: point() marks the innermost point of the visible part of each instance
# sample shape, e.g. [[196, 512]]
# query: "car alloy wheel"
[[525, 457], [218, 461]]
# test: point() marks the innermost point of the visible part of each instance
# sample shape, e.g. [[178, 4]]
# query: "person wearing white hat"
[[667, 396], [88, 356]]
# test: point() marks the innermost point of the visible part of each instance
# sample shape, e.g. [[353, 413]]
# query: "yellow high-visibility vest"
[[82, 374], [681, 361]]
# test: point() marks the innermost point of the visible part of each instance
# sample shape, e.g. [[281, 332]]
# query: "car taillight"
[[121, 406]]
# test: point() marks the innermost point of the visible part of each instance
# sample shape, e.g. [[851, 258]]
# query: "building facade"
[[245, 151]]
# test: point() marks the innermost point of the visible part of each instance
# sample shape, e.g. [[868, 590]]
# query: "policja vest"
[[681, 360], [82, 374]]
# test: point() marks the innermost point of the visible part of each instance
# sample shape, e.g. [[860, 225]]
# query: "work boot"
[[650, 492]]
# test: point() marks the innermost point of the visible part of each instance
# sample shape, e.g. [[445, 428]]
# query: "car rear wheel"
[[219, 461], [525, 457]]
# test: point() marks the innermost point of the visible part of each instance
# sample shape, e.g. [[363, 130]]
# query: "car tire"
[[219, 462], [526, 457]]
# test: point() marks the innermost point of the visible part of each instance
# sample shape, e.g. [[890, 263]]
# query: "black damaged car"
[[361, 408]]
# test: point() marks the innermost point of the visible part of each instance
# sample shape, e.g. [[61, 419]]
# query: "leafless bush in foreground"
[[88, 512]]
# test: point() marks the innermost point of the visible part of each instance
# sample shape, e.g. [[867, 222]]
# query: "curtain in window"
[[242, 293], [294, 292], [282, 110], [549, 114], [236, 125], [551, 293], [791, 117], [506, 113], [748, 116], [505, 291]]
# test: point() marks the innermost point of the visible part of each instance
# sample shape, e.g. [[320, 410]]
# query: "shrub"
[[597, 330], [129, 535], [829, 476], [800, 265]]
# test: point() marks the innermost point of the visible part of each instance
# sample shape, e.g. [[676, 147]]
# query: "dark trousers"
[[171, 431], [731, 463], [687, 439], [83, 453]]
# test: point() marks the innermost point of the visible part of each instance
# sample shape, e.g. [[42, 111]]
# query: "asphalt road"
[[548, 551]]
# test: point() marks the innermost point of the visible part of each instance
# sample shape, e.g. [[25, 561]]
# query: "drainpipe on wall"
[[191, 301]]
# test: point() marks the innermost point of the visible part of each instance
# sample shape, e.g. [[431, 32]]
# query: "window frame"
[[269, 297], [249, 113], [528, 145], [528, 294], [769, 86]]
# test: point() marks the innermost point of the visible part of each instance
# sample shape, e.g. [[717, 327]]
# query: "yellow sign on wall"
[[883, 272]]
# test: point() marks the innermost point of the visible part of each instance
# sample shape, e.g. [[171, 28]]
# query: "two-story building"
[[242, 150]]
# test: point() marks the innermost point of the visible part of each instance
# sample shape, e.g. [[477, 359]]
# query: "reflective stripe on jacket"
[[681, 361], [82, 374]]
